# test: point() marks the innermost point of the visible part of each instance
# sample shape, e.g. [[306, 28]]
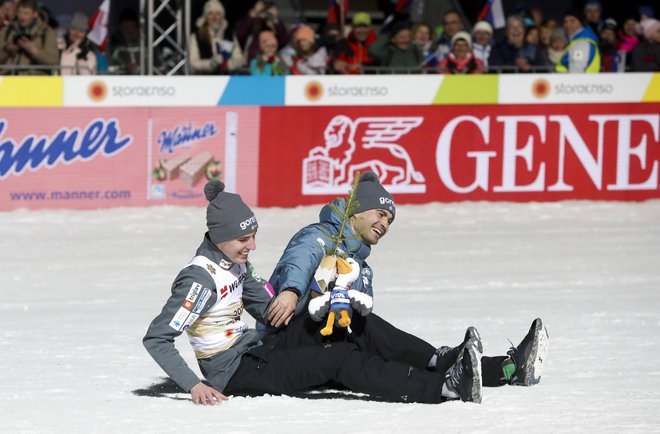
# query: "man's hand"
[[281, 310], [27, 45], [205, 395], [523, 64]]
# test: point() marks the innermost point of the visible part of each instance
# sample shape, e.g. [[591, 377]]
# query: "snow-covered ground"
[[80, 287]]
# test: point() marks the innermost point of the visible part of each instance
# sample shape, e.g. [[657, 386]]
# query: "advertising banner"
[[143, 91], [456, 153], [188, 147], [97, 158], [72, 158], [21, 91], [578, 88]]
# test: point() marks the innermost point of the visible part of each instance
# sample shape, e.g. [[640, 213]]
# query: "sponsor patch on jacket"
[[254, 274], [206, 293], [180, 318], [225, 264], [211, 268], [193, 292], [191, 319]]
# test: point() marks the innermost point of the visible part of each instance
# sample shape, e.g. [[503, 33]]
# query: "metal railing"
[[44, 70], [367, 70]]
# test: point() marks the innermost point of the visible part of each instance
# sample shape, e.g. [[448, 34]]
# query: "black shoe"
[[528, 356], [451, 353], [463, 379]]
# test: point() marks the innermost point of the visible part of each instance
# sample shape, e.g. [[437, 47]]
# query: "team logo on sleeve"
[[193, 292]]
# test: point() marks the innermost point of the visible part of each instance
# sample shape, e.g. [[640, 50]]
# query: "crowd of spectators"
[[582, 40]]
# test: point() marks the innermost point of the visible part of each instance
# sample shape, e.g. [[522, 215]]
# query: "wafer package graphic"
[[172, 166], [194, 168]]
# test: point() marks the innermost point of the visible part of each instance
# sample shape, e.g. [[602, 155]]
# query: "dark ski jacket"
[[302, 256]]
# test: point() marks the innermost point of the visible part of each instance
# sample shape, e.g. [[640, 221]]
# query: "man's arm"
[[294, 272], [579, 56], [171, 322], [257, 295]]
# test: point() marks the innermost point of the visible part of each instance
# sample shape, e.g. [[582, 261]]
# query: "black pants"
[[378, 337], [281, 370]]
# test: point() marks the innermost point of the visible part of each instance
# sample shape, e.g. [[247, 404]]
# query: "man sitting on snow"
[[294, 273]]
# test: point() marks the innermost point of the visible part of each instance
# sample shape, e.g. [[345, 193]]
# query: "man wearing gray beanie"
[[207, 299]]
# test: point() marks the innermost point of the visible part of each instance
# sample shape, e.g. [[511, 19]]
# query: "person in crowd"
[[460, 59], [612, 59], [7, 13], [452, 24], [211, 292], [546, 31], [482, 41], [125, 44], [533, 35], [263, 16], [422, 36], [646, 54], [268, 62], [309, 59], [288, 52], [329, 40], [352, 53], [78, 57], [537, 16], [582, 53], [514, 53], [646, 12], [212, 49], [28, 42], [628, 37], [394, 49], [593, 12], [296, 301], [558, 44]]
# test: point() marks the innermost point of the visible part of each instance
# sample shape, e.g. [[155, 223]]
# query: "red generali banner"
[[465, 152], [97, 158]]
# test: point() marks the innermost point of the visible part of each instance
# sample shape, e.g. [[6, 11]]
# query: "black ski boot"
[[525, 363], [463, 379]]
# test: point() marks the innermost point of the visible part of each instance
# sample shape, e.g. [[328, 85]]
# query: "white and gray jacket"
[[207, 300]]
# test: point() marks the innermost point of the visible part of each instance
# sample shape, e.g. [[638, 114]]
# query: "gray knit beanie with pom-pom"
[[227, 216], [370, 194]]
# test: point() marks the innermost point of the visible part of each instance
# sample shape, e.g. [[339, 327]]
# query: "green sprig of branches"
[[351, 205]]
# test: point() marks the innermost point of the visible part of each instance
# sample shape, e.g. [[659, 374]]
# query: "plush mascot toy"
[[340, 300]]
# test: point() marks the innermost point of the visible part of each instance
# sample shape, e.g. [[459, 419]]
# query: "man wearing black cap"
[[581, 54], [207, 299], [293, 279]]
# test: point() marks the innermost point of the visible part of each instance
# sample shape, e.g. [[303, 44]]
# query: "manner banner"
[[455, 153], [188, 147], [98, 158]]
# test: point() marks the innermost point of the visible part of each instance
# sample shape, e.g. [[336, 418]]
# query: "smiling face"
[[461, 48], [214, 18], [402, 39], [237, 250], [371, 225]]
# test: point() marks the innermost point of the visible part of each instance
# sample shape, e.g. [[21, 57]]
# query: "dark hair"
[[32, 4]]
